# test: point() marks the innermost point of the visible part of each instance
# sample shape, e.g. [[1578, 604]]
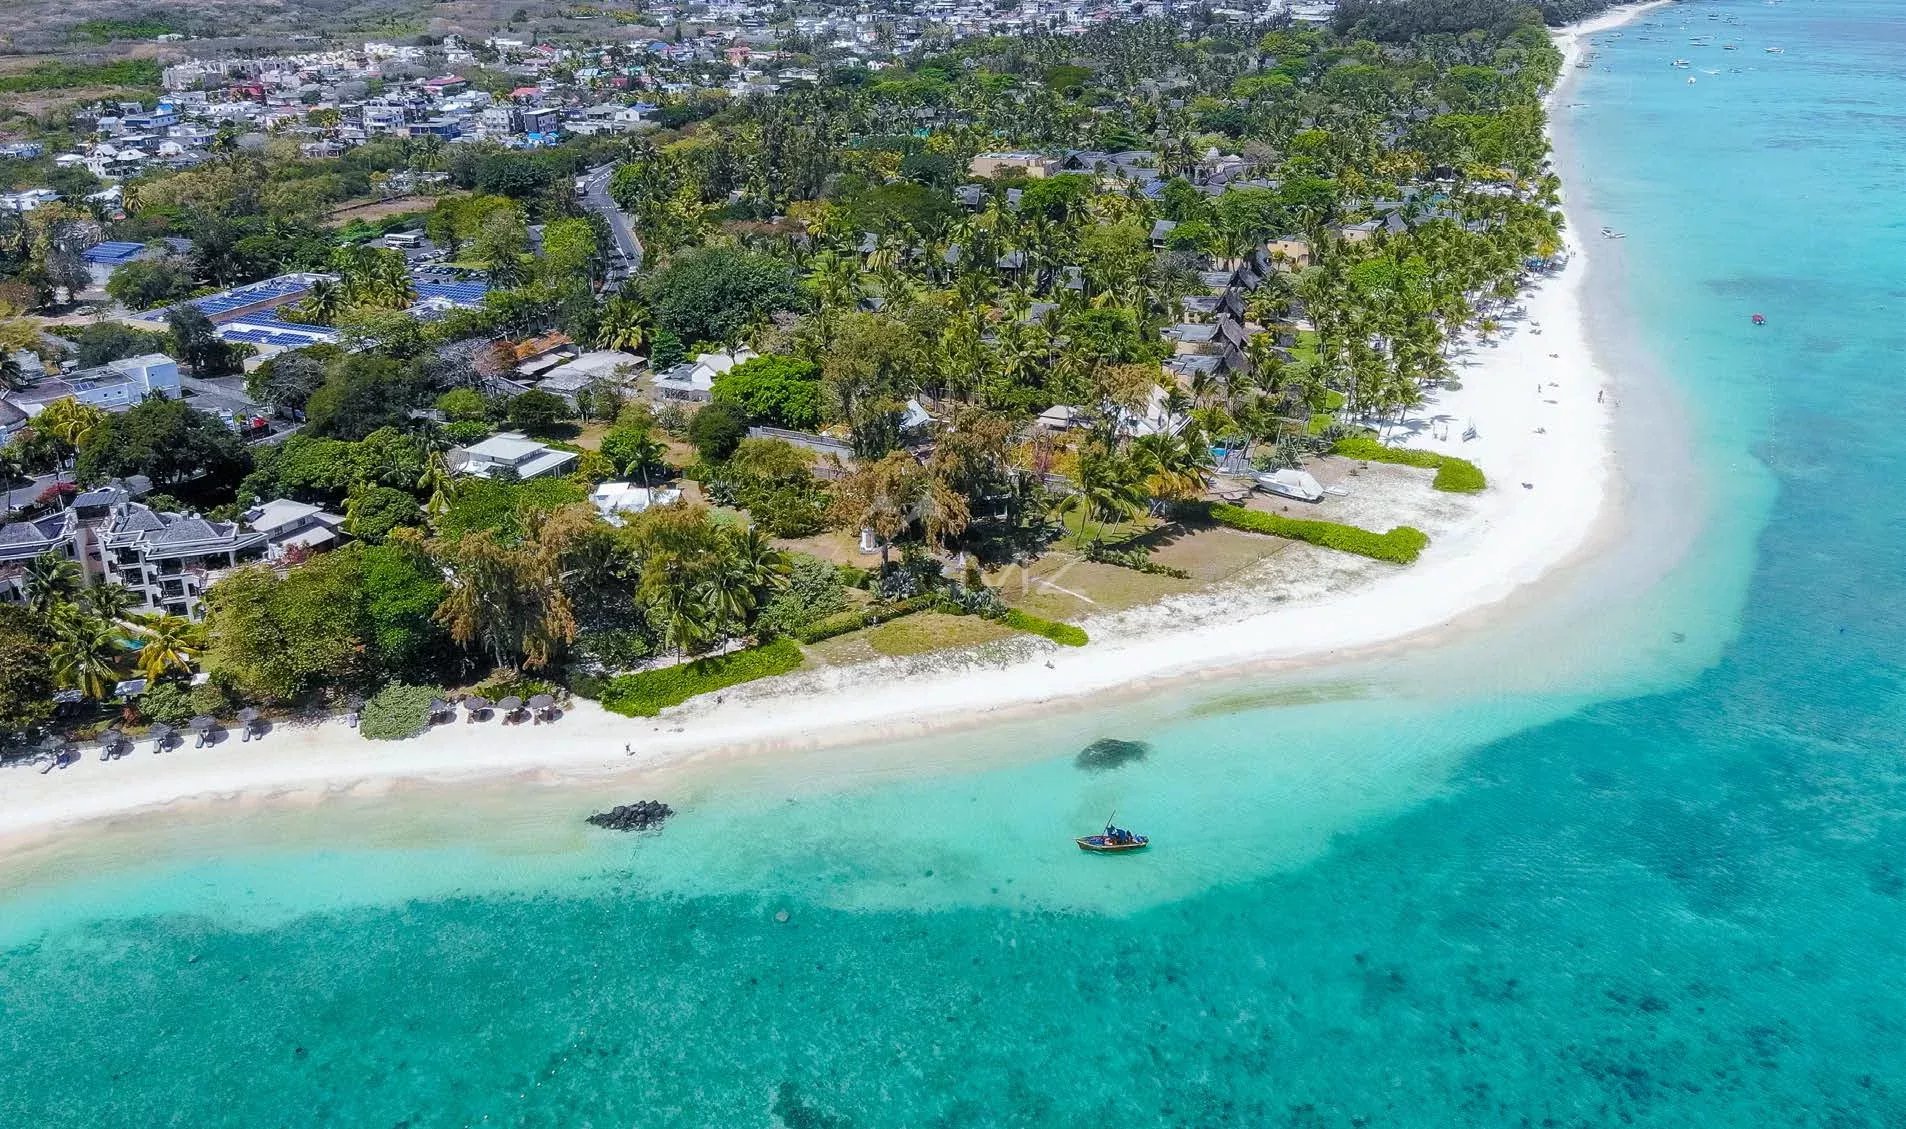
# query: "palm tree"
[[625, 325], [390, 281], [167, 643], [1111, 487], [438, 486], [50, 580], [86, 654], [107, 601], [323, 302]]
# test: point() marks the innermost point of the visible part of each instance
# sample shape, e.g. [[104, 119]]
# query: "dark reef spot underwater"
[[1108, 753]]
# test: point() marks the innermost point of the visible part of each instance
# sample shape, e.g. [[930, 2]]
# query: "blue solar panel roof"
[[113, 252]]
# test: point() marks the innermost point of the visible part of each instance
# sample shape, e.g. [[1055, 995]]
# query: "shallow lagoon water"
[[1679, 905]]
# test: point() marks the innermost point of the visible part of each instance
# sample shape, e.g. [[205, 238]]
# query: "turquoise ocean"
[[1645, 866]]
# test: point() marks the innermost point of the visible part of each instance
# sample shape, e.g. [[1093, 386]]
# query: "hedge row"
[[1401, 545], [652, 691], [853, 619], [1458, 476], [1064, 634]]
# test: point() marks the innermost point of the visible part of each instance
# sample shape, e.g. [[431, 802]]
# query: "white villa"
[[510, 450]]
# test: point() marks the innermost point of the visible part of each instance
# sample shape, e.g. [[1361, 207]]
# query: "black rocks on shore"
[[1110, 752], [638, 816]]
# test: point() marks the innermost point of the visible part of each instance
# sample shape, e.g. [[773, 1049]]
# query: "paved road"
[[596, 199]]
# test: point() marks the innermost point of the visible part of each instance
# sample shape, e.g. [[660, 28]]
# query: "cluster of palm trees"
[[97, 639], [367, 276], [694, 582]]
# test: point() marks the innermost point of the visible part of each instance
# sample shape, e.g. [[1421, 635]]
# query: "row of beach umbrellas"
[[475, 706]]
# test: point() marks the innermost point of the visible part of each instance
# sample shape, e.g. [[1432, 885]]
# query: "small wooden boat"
[[1114, 840]]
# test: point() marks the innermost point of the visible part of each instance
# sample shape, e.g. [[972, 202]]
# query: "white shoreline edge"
[[1515, 537]]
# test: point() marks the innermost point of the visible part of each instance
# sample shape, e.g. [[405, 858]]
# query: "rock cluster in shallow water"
[[638, 816]]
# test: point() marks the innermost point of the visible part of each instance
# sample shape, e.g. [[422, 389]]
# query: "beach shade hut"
[[247, 718], [109, 739], [161, 735], [53, 746], [439, 707], [202, 725], [511, 706], [542, 704], [475, 706]]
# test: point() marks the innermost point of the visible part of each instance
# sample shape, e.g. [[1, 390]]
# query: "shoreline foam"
[[1540, 420]]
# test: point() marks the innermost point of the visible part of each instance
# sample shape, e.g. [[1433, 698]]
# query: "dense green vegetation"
[[1458, 476], [68, 76], [651, 692], [1401, 545]]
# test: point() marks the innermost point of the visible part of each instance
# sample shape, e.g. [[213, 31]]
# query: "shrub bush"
[[652, 691], [1134, 560], [1064, 634], [168, 701], [1401, 545], [813, 592], [1457, 476], [397, 711]]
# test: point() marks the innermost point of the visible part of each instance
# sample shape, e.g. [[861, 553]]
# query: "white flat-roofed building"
[[512, 451]]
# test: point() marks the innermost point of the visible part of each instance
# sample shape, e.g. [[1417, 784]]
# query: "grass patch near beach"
[[1401, 545], [1454, 475], [652, 691], [933, 631]]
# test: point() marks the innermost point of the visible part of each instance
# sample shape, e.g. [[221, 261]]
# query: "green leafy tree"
[[26, 669], [777, 390], [717, 430], [282, 639], [715, 293], [168, 441], [537, 412]]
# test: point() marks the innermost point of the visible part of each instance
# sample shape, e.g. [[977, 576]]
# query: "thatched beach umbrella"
[[54, 746], [161, 735], [510, 704], [246, 717], [109, 739], [475, 704], [438, 707], [542, 704], [202, 725]]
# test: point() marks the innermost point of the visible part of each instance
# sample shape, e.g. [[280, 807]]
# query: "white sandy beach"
[[1541, 412]]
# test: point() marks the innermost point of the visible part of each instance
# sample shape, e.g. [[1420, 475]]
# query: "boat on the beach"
[[1114, 841], [1294, 484]]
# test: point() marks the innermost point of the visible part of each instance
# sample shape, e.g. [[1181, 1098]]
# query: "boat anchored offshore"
[[1115, 840]]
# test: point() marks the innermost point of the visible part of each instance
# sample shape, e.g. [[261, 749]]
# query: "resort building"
[[1036, 166], [168, 560], [21, 541], [509, 453], [114, 386]]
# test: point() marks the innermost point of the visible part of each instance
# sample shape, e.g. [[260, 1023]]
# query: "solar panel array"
[[113, 252], [224, 302], [465, 293], [285, 340]]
